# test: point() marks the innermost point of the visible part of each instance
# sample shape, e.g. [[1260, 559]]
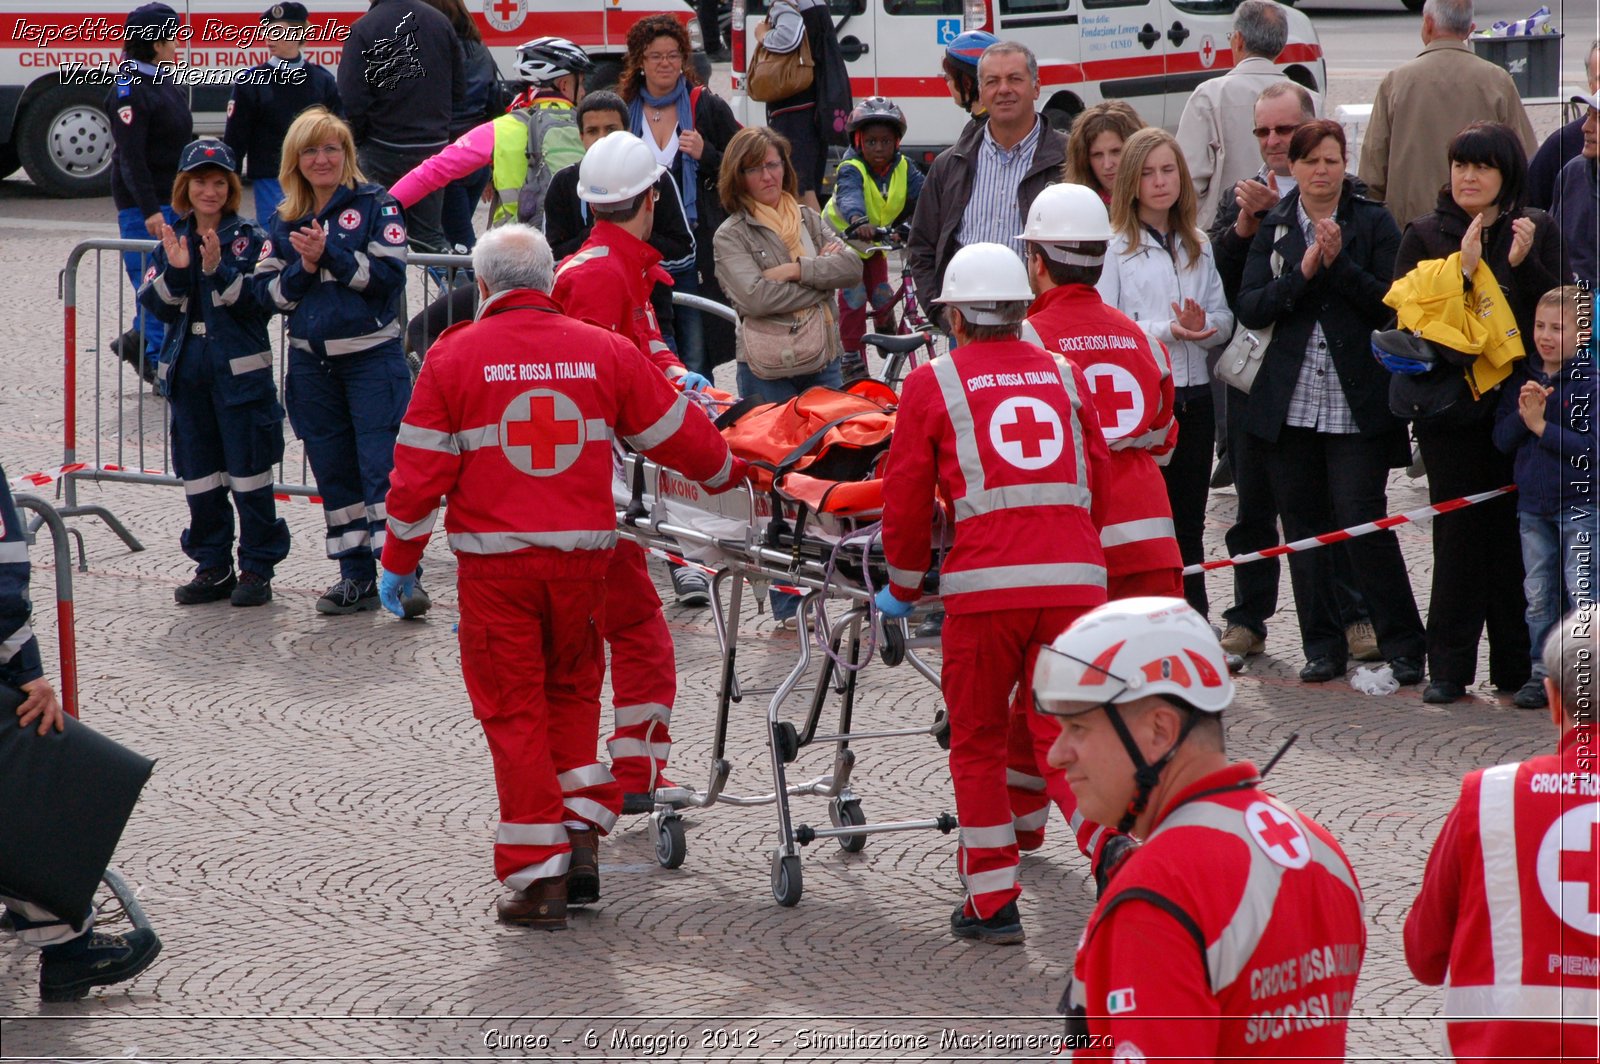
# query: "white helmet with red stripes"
[[1130, 649]]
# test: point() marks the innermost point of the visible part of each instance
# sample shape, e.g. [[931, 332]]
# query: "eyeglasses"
[[663, 57], [764, 168], [332, 151], [1263, 132]]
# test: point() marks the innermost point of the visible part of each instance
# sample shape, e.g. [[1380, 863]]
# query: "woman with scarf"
[[688, 127]]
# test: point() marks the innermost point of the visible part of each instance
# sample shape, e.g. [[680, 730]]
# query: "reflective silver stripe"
[[13, 552], [1125, 532], [350, 540], [1015, 496], [159, 283], [1008, 577], [12, 645], [201, 485], [1162, 356], [529, 834], [673, 372], [386, 251], [956, 405], [1497, 834], [629, 716], [1030, 334], [619, 748], [722, 474], [990, 882], [268, 265], [1153, 438], [363, 274], [344, 514], [1080, 460], [53, 929], [1557, 1004], [298, 344], [254, 482], [275, 290], [907, 577], [1022, 781], [664, 427], [427, 439], [598, 251], [506, 542], [1034, 821], [549, 868], [352, 344], [413, 529], [483, 436], [250, 363], [576, 779], [377, 512], [988, 838], [229, 295], [592, 811], [378, 540]]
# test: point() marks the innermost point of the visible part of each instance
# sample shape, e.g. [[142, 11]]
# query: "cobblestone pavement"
[[314, 846]]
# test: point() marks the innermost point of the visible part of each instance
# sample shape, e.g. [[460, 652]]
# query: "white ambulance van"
[[53, 59], [1151, 53]]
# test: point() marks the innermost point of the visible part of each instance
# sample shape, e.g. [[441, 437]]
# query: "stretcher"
[[831, 556]]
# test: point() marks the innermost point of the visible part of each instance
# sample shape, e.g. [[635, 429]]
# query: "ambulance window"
[[923, 7], [1033, 7], [1116, 3], [837, 8]]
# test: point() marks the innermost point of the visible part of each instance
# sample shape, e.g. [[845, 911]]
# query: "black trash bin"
[[1534, 63]]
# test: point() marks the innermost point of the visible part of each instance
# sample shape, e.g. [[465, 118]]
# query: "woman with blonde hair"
[[1094, 149], [1161, 272], [335, 265]]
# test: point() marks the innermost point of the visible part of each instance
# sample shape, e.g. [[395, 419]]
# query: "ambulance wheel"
[[671, 848], [893, 648], [848, 814], [786, 740], [63, 140], [786, 884]]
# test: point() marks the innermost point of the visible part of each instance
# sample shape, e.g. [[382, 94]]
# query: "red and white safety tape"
[[35, 481], [678, 560], [1417, 516]]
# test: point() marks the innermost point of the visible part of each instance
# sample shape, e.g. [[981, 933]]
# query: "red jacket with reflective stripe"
[[1007, 433], [1522, 840], [608, 281], [1276, 905], [512, 419], [1130, 378]]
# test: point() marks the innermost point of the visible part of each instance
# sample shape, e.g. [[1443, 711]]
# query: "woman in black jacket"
[[1477, 555], [1318, 270]]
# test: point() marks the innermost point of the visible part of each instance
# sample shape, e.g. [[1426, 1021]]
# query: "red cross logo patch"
[[1568, 866], [1208, 51], [1118, 399], [266, 249], [394, 233], [1026, 432], [126, 114], [542, 432], [1279, 837], [150, 273], [349, 219], [240, 246]]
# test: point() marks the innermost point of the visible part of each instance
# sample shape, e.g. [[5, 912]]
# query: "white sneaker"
[[691, 586]]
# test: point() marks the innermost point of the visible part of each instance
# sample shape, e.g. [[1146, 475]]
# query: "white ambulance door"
[[906, 66], [1196, 35], [1123, 52], [1050, 28]]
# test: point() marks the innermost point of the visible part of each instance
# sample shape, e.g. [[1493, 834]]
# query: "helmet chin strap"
[[1145, 774]]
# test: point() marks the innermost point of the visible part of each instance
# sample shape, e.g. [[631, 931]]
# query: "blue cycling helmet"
[[1402, 351], [968, 47]]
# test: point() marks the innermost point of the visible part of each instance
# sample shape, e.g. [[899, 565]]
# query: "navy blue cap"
[[154, 22], [290, 12], [207, 152]]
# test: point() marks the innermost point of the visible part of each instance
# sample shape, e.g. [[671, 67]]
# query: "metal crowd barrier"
[[66, 624]]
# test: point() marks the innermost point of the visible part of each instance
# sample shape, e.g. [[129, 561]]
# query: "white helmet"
[[616, 169], [544, 59], [1067, 213], [981, 276], [1130, 649]]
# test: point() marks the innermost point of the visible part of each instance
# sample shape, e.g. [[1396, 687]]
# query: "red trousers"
[[1164, 582], [644, 672], [873, 290], [998, 744], [532, 660]]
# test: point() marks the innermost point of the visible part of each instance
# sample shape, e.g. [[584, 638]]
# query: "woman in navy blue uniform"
[[334, 264], [215, 368]]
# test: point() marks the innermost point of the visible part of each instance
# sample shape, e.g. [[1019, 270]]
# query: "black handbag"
[[64, 800], [1441, 394]]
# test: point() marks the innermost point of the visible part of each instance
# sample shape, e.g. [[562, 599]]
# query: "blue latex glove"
[[693, 382], [392, 587], [890, 606]]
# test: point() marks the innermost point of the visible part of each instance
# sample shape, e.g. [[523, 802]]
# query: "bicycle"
[[912, 331]]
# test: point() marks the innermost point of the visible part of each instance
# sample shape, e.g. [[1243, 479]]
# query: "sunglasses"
[[1262, 132]]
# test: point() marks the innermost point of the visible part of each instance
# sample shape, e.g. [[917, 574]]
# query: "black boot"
[[209, 585], [95, 959]]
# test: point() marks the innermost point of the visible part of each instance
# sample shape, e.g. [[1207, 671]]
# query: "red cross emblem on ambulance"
[[1118, 399], [1026, 432], [1208, 51], [349, 219], [1568, 857], [1279, 837], [542, 432]]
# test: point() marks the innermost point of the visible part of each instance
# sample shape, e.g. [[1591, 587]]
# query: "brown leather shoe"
[[542, 905], [583, 874]]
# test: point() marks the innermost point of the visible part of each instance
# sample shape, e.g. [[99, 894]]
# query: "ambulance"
[[57, 60], [1151, 53]]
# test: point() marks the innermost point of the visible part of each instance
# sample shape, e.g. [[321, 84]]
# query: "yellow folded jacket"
[[1477, 321]]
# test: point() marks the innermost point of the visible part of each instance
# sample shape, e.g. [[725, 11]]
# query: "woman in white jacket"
[[1160, 271]]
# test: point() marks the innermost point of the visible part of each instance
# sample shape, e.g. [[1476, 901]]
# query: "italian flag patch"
[[1119, 1001]]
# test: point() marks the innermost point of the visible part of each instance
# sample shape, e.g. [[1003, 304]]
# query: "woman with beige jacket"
[[780, 266]]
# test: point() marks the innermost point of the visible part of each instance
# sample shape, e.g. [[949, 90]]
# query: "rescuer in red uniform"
[[1008, 434], [512, 420], [1235, 931], [1509, 910]]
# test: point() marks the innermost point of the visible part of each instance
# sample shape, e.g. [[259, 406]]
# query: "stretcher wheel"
[[787, 740], [893, 647], [942, 736], [786, 884], [848, 813], [671, 848]]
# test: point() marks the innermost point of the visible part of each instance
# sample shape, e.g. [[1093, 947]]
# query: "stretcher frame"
[[743, 551]]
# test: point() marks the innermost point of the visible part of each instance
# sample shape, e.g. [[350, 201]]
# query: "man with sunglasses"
[[1235, 931]]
